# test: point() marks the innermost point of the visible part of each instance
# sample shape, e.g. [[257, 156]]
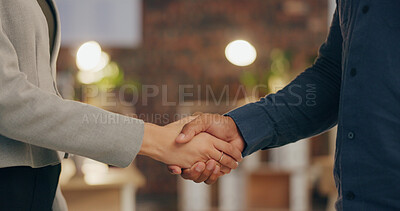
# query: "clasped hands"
[[200, 148], [221, 127]]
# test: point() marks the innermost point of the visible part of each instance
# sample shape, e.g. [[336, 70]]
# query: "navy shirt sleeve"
[[307, 106]]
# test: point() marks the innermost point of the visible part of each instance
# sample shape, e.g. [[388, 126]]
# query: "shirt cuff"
[[254, 126]]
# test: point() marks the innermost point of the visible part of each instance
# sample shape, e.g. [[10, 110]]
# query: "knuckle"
[[207, 150], [197, 181], [206, 118], [203, 150], [210, 181], [202, 179], [190, 175], [186, 176], [225, 169], [234, 164], [230, 148], [201, 118]]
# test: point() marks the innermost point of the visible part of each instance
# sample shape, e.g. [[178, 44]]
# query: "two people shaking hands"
[[201, 148], [361, 49]]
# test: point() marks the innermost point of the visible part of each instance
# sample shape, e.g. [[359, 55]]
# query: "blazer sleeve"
[[307, 106], [33, 116]]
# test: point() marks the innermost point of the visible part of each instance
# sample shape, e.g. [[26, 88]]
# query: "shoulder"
[[21, 18]]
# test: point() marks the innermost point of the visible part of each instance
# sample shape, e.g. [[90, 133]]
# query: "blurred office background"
[[163, 59]]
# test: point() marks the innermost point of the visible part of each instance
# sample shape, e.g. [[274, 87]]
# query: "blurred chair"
[[114, 189]]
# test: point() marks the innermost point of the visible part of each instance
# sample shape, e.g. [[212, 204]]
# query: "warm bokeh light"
[[86, 77], [89, 56], [104, 60], [111, 70], [91, 61], [240, 53]]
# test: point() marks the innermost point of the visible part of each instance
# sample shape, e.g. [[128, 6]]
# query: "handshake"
[[200, 148]]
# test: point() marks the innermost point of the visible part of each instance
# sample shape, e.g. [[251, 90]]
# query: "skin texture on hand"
[[159, 144], [222, 127]]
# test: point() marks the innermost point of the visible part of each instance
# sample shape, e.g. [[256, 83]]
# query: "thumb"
[[191, 129], [176, 170]]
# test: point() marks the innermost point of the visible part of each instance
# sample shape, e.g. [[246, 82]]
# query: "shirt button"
[[350, 135], [353, 72], [365, 9], [350, 195]]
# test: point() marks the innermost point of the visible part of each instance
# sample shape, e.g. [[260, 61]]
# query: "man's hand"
[[222, 127]]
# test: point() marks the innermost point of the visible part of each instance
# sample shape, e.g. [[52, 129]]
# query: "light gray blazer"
[[35, 122]]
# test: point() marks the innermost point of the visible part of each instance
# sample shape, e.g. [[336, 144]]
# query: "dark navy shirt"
[[355, 83]]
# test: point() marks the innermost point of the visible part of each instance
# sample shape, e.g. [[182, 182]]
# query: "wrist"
[[150, 148], [237, 137]]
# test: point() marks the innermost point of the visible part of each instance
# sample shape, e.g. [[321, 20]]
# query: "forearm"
[[43, 119], [155, 140], [31, 115], [307, 106]]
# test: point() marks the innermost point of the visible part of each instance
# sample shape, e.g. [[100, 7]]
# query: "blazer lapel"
[[57, 39]]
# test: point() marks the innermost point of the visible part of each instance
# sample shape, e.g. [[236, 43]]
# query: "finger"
[[187, 119], [210, 166], [174, 170], [197, 113], [225, 170], [191, 129], [228, 149], [194, 172], [213, 178], [186, 174], [226, 160]]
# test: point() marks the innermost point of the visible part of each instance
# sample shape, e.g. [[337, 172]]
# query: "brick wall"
[[184, 41]]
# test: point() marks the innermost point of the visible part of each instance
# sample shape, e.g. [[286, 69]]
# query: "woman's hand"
[[159, 144]]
